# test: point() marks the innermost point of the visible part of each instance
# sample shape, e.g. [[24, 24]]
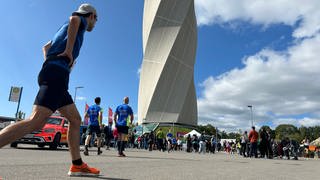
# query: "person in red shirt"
[[253, 138], [115, 137]]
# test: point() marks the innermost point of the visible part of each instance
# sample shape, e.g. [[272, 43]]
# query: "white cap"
[[85, 9]]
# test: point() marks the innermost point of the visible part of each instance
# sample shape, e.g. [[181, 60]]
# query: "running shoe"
[[121, 155], [83, 170]]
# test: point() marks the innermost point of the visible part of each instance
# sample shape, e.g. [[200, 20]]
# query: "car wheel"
[[40, 145], [13, 145], [56, 141]]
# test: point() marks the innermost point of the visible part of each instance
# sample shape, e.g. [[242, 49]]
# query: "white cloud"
[[81, 98], [288, 12], [309, 122], [298, 122], [275, 83]]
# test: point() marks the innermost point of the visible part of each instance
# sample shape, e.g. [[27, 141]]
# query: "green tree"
[[224, 135], [304, 132], [234, 135], [287, 130], [272, 132], [21, 115], [311, 133], [265, 127], [208, 129], [316, 132]]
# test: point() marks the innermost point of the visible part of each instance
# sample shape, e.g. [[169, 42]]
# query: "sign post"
[[15, 96]]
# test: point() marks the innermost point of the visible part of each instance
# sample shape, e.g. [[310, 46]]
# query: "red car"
[[54, 133]]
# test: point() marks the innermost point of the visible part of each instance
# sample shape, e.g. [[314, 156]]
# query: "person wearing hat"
[[59, 55]]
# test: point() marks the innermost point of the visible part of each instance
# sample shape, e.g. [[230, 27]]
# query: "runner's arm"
[[74, 24], [115, 118], [100, 118], [45, 49], [131, 118]]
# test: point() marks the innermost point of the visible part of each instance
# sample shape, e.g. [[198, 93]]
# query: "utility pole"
[[250, 106]]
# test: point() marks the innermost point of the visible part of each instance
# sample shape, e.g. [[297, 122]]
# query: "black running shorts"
[[91, 129], [53, 80], [123, 129]]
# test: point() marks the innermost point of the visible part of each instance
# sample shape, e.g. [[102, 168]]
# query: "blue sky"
[[249, 53]]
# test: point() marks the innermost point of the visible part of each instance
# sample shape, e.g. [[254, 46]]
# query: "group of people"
[[158, 141], [201, 144], [168, 142], [123, 117], [262, 145], [249, 143]]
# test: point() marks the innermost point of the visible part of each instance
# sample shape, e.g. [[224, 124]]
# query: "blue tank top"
[[59, 42]]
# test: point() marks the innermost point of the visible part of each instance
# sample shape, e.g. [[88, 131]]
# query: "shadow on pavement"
[[101, 177], [144, 157], [169, 158], [241, 162], [45, 149]]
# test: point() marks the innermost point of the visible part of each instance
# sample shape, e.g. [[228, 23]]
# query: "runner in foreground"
[[59, 54]]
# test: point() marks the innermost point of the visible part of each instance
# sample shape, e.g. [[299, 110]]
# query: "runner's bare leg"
[[71, 113], [88, 139], [17, 130]]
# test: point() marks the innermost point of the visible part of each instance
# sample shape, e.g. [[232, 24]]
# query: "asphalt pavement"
[[30, 162]]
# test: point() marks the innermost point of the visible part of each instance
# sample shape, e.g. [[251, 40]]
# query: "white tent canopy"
[[192, 133], [316, 142]]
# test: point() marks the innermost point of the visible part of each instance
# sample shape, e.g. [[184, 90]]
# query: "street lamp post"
[[216, 148], [75, 93], [143, 121], [250, 106], [173, 128]]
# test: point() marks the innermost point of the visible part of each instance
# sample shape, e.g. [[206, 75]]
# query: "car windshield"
[[55, 121]]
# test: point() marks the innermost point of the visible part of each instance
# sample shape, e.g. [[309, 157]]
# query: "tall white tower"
[[166, 90]]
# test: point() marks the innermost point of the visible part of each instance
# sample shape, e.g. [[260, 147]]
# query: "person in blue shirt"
[[169, 140], [174, 143], [94, 113], [123, 116], [59, 57]]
